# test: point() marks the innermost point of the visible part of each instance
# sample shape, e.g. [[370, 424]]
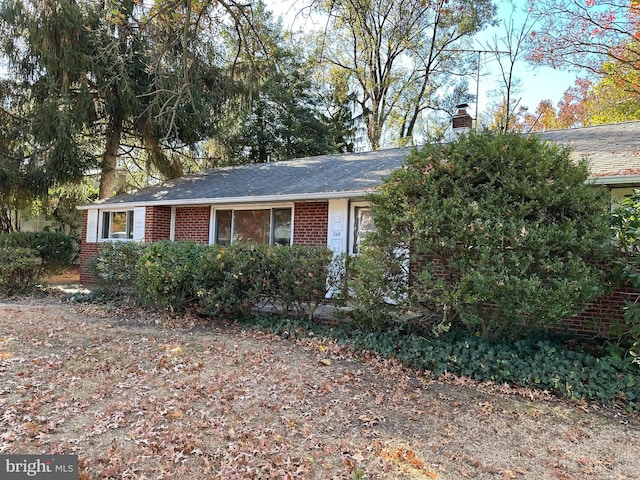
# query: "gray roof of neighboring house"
[[612, 151], [325, 176]]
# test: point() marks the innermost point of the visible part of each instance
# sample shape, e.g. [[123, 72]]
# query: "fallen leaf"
[[175, 414], [325, 361]]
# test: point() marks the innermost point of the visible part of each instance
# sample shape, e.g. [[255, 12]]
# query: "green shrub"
[[235, 279], [377, 285], [166, 273], [301, 277], [55, 250], [243, 279], [114, 267], [19, 269], [502, 230], [625, 226]]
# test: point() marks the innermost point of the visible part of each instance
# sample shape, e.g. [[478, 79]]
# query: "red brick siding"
[[87, 250], [595, 320], [192, 223], [157, 224], [602, 313], [311, 223]]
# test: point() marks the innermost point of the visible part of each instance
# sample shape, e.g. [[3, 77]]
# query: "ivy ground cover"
[[137, 397]]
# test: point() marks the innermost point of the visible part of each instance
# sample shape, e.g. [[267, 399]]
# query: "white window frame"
[[129, 229], [233, 208]]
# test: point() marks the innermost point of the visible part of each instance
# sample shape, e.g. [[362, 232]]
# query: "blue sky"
[[537, 83]]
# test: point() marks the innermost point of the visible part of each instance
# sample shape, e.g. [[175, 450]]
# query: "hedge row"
[[236, 279]]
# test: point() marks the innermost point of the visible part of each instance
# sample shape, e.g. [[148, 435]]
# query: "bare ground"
[[135, 397]]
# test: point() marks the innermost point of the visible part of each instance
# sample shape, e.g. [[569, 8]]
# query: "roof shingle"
[[610, 150]]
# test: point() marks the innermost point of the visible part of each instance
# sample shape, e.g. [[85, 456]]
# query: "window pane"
[[363, 225], [106, 221], [252, 226], [129, 224], [118, 225], [282, 226], [223, 227]]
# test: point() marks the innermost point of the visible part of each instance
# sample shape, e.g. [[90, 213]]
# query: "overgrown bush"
[[235, 279], [625, 226], [502, 230], [19, 269], [302, 276], [166, 272], [377, 283], [114, 267], [55, 250]]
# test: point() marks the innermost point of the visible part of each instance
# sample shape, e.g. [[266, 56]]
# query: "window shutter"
[[139, 214], [92, 226]]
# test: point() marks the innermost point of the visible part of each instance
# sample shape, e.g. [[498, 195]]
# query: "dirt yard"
[[134, 397]]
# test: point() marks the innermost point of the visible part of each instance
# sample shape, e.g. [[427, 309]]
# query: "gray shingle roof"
[[611, 150], [336, 176]]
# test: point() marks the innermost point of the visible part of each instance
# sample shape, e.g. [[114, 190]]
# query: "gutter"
[[620, 180], [227, 200]]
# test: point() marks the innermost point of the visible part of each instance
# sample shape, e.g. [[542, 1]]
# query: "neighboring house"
[[316, 201]]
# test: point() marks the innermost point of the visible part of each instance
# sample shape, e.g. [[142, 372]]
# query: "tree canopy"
[[400, 56], [119, 74]]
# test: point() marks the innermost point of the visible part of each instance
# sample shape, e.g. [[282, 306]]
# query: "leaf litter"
[[137, 396]]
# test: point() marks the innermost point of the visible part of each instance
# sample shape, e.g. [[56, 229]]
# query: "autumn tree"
[[616, 96], [502, 115], [572, 110], [587, 35], [589, 103], [399, 55]]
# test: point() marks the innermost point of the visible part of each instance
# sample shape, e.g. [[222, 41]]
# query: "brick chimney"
[[462, 121]]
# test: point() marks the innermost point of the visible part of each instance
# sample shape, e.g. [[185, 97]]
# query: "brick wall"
[[602, 312], [157, 227], [87, 250], [157, 224], [192, 223], [311, 223]]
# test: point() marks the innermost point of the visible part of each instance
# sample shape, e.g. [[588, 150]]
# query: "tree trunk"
[[6, 224], [110, 158], [374, 129]]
